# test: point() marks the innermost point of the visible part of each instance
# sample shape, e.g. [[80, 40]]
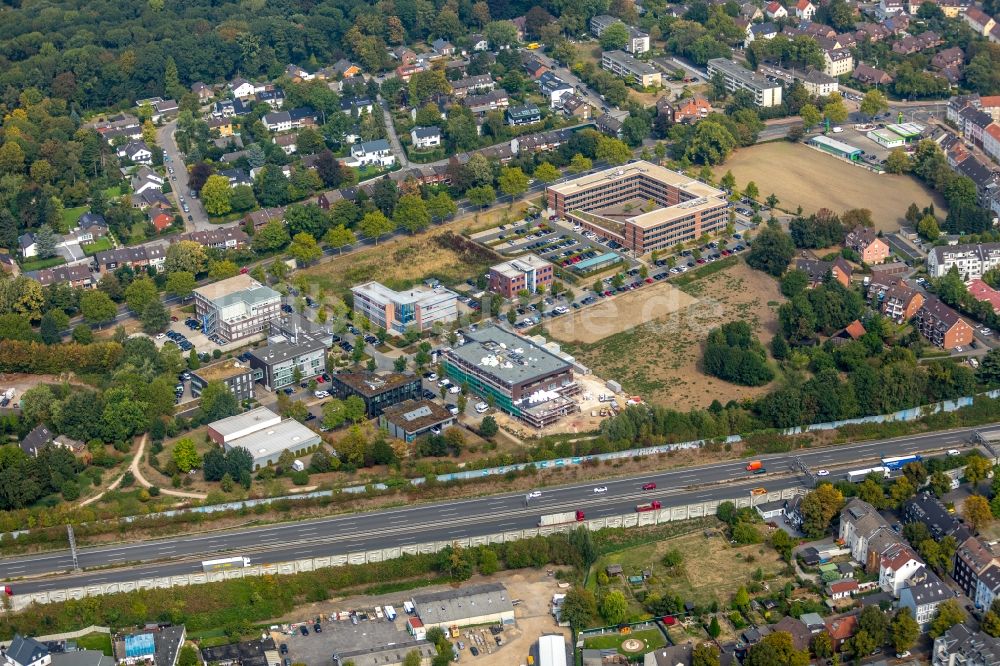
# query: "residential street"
[[390, 128], [179, 181]]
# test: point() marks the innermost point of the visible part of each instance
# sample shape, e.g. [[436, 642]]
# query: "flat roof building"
[[604, 202], [522, 379], [837, 148], [262, 432], [626, 65], [737, 77], [379, 391], [525, 273], [159, 646], [238, 376], [235, 308], [552, 650], [413, 418], [396, 311], [261, 652], [488, 603], [276, 363]]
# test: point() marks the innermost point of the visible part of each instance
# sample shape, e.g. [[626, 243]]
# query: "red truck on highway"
[[648, 506], [755, 466]]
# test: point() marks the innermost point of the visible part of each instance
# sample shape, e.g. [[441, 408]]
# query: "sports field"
[[801, 176]]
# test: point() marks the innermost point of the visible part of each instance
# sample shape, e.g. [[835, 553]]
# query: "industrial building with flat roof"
[[487, 603], [159, 646], [603, 202], [379, 391], [526, 273], [396, 311], [276, 363], [262, 432], [412, 418], [236, 307], [522, 379], [737, 77]]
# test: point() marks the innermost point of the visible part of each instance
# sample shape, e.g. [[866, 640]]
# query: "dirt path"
[[134, 468]]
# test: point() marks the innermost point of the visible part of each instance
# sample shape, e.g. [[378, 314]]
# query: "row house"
[[991, 141], [285, 121], [873, 32], [985, 176], [867, 243], [817, 271], [259, 219], [74, 275], [871, 75], [971, 260], [922, 595], [275, 97], [541, 141], [980, 22], [949, 62], [950, 8], [229, 238], [987, 586], [575, 106], [931, 512], [972, 123], [406, 71], [941, 325], [478, 84], [480, 105], [137, 257], [122, 121], [911, 44], [410, 179]]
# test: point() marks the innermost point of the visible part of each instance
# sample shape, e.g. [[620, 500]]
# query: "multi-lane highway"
[[441, 521]]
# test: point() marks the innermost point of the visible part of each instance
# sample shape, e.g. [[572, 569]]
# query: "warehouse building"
[[522, 379], [613, 204], [488, 603], [379, 391], [737, 77], [235, 308], [262, 432], [552, 650], [836, 148]]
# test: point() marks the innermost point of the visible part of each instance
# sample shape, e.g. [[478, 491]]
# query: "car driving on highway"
[[823, 472], [649, 486], [601, 489]]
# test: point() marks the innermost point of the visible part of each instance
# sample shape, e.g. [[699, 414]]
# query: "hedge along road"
[[443, 521]]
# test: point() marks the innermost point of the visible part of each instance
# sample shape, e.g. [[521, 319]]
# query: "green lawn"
[[652, 637], [39, 264], [96, 641], [100, 245], [113, 192], [71, 215]]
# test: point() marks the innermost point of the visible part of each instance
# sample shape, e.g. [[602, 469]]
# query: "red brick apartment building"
[[941, 325], [601, 202], [526, 273]]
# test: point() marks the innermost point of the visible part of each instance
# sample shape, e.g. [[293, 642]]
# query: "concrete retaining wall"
[[664, 515]]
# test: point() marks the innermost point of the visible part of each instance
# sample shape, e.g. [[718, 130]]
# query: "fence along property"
[[628, 520]]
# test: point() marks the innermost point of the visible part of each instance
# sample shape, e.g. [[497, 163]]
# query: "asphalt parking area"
[[342, 636]]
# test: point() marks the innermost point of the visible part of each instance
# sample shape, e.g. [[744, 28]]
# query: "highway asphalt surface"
[[422, 523]]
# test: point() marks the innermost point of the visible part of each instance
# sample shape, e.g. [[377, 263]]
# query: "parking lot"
[[344, 637]]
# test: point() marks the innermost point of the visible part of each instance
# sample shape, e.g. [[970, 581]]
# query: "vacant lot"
[[711, 568], [658, 357], [801, 176], [398, 264], [625, 311]]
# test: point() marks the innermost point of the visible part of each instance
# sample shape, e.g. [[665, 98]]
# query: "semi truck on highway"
[[225, 563], [859, 475], [897, 462], [559, 518], [648, 506]]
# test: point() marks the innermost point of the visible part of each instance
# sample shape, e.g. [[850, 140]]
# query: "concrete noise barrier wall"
[[645, 519]]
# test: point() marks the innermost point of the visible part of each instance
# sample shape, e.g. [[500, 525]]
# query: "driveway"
[[390, 129]]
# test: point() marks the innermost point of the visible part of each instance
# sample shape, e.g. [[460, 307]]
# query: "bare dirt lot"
[[801, 176], [625, 311], [658, 359]]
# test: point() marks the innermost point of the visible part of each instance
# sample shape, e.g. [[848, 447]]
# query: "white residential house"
[[775, 10], [287, 143], [144, 179], [165, 108], [805, 10], [425, 137], [922, 594], [897, 565], [27, 246], [377, 153], [479, 43], [137, 152], [242, 88], [25, 651]]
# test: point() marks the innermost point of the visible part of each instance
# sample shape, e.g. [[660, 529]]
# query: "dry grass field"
[[658, 357], [801, 176]]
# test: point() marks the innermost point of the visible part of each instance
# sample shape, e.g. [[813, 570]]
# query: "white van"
[[481, 407]]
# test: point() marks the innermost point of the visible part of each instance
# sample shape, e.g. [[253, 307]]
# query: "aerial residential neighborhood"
[[392, 334]]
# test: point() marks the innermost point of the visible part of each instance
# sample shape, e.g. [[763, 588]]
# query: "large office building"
[[264, 434], [737, 77], [626, 66], [397, 311], [613, 204], [521, 378], [526, 273], [379, 391], [275, 364], [236, 308]]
